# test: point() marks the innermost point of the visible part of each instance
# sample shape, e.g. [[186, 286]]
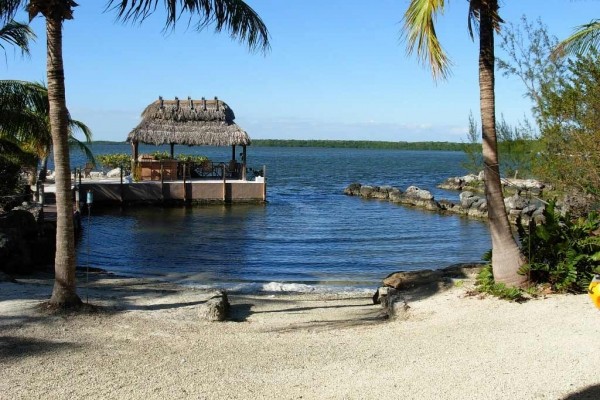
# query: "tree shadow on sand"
[[589, 393], [12, 347], [361, 313]]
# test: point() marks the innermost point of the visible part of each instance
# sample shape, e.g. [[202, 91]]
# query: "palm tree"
[[25, 122], [584, 38], [235, 16], [420, 33]]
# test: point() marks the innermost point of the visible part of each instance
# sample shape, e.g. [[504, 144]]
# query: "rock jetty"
[[470, 204]]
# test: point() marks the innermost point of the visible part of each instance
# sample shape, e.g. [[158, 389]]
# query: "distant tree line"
[[359, 144]]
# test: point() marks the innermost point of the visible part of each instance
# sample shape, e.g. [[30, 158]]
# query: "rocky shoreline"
[[470, 204]]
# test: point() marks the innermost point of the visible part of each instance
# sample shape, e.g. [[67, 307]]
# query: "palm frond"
[[234, 16], [419, 32], [475, 12], [585, 38], [8, 9], [11, 152], [17, 34], [76, 143]]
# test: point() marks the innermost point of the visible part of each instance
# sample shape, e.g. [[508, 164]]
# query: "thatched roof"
[[189, 122]]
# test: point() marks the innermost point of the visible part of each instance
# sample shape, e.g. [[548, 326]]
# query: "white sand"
[[148, 343]]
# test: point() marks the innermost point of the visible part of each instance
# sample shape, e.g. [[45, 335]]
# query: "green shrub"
[[192, 158], [486, 284], [116, 160], [562, 252], [161, 155]]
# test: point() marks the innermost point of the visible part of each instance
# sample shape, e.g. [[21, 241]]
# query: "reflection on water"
[[308, 233]]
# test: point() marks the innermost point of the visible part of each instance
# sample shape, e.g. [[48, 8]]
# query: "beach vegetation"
[[562, 252], [563, 256], [26, 123], [160, 155], [237, 18], [483, 19], [115, 160], [191, 158], [565, 92]]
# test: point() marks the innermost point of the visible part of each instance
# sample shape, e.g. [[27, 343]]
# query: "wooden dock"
[[180, 192]]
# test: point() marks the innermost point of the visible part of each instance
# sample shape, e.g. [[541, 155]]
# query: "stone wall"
[[470, 204]]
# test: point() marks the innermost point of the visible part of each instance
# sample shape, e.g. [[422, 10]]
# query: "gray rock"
[[515, 202], [216, 307], [529, 210], [366, 191], [114, 173], [413, 191], [395, 195], [353, 189], [465, 195]]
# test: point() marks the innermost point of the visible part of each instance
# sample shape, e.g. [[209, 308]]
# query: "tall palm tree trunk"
[[506, 256], [64, 292]]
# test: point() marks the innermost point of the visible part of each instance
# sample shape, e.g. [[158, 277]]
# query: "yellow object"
[[594, 291]]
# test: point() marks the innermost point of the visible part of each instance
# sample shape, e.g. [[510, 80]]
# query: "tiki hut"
[[189, 122]]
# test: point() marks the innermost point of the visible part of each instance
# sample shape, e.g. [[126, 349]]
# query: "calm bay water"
[[310, 236]]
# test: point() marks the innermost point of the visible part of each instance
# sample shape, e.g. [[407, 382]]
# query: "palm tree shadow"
[[589, 393], [17, 347]]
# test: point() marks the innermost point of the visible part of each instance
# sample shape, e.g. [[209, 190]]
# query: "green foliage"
[[517, 148], [486, 284], [192, 158], [565, 95], [472, 148], [563, 253], [11, 186], [116, 160], [571, 129], [161, 155]]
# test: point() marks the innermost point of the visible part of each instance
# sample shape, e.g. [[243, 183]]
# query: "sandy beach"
[[146, 341]]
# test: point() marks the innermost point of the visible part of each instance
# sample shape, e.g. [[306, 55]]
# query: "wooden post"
[[162, 182], [264, 183], [224, 185], [77, 199], [184, 186], [79, 174], [244, 162], [233, 152], [172, 149], [121, 184]]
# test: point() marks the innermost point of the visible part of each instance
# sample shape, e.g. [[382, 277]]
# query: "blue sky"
[[337, 69]]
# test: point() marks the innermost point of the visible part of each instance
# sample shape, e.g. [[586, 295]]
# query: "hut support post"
[[233, 152], [162, 182], [264, 183], [184, 185], [224, 185], [172, 150], [121, 185], [244, 162], [134, 146]]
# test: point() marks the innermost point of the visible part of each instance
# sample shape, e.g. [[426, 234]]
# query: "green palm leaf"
[[234, 16], [17, 34], [585, 38]]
